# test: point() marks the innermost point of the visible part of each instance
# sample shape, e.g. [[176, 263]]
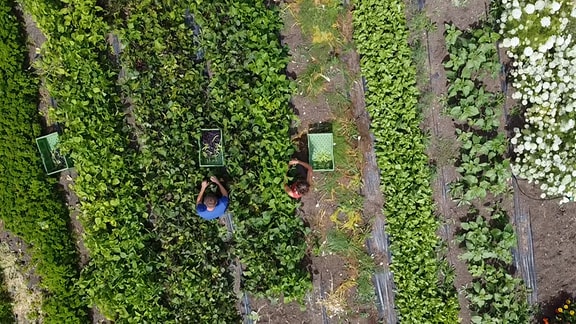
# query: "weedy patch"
[[27, 301]]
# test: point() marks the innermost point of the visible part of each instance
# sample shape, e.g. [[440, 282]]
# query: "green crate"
[[321, 151], [205, 157], [53, 161]]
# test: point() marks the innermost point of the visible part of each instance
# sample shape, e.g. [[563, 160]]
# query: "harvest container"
[[53, 161], [211, 148], [321, 151]]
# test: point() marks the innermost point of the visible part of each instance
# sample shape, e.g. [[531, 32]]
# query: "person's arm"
[[223, 190], [201, 194]]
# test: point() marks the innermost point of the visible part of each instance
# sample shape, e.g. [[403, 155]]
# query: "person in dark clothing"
[[303, 180]]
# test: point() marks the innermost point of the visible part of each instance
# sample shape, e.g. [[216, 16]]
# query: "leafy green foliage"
[[494, 294], [482, 168], [121, 276], [168, 95], [242, 90], [473, 54], [30, 204], [249, 89], [472, 59], [391, 99]]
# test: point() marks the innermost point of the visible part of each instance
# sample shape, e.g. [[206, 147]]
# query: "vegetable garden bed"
[[30, 205], [152, 260], [545, 216]]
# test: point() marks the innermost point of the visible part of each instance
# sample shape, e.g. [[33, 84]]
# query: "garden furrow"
[[495, 293], [524, 252], [378, 243], [167, 92]]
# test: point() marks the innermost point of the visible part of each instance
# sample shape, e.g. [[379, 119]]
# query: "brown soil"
[[328, 271], [20, 280], [553, 233], [554, 239]]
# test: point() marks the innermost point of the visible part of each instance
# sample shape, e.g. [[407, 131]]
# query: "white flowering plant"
[[538, 38]]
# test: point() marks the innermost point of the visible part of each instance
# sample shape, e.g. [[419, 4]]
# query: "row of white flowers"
[[537, 36]]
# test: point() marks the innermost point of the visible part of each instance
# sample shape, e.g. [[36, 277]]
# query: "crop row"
[[167, 87], [203, 78], [137, 180], [30, 203], [422, 295], [249, 94], [473, 59], [196, 75], [494, 293], [120, 277]]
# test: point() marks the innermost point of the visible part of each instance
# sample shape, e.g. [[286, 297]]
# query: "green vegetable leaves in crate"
[[321, 151]]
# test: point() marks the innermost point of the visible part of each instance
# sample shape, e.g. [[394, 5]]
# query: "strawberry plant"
[[30, 204], [249, 86], [381, 38], [211, 148]]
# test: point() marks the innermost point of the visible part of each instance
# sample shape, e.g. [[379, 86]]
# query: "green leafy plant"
[[30, 205], [381, 39], [472, 53], [250, 83], [244, 92], [6, 314], [494, 294], [482, 165], [121, 277], [322, 160]]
